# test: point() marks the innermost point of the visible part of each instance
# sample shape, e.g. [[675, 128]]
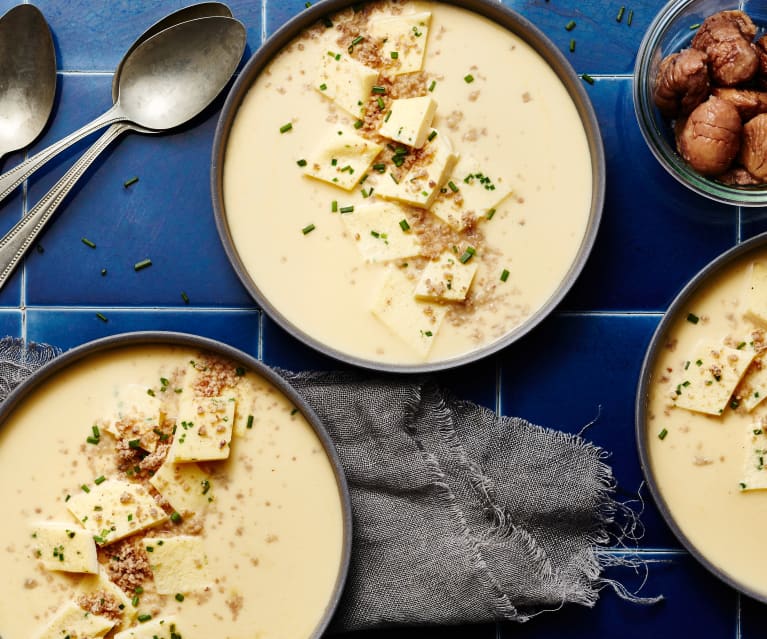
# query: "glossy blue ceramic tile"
[[709, 607], [11, 323], [69, 328], [753, 618], [655, 233], [602, 44], [753, 221], [575, 370], [278, 12], [475, 382], [166, 216]]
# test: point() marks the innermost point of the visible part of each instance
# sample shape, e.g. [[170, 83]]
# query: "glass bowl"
[[672, 30]]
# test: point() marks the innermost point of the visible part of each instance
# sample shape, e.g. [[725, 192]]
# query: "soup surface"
[[707, 423], [156, 491], [389, 251]]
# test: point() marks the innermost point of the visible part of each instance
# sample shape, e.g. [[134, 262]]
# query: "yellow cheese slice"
[[446, 279], [756, 297], [71, 620], [179, 564], [345, 81], [478, 192], [203, 429], [186, 487], [753, 387], [379, 232], [342, 158], [115, 509], [409, 120], [100, 583], [426, 177], [405, 35], [755, 459], [165, 628], [415, 322], [708, 382], [64, 546]]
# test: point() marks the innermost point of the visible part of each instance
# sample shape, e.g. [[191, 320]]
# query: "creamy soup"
[[389, 251], [707, 423], [156, 491]]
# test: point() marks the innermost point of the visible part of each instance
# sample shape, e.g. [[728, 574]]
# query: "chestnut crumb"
[[710, 139]]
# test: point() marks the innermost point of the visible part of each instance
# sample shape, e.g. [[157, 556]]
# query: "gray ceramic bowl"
[[504, 17], [680, 308], [672, 30], [82, 353]]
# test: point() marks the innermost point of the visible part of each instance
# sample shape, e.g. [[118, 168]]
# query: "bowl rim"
[[646, 115], [506, 18], [679, 305], [171, 338]]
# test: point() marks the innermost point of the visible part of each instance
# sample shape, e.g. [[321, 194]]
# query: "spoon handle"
[[15, 243], [11, 179]]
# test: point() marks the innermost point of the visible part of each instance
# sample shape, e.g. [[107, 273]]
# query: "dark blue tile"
[[602, 44], [655, 233], [475, 382], [753, 618], [278, 12], [576, 370], [67, 328], [695, 604], [11, 323]]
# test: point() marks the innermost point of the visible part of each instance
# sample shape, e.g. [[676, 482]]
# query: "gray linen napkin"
[[460, 516]]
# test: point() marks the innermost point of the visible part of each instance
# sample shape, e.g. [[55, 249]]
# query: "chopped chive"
[[323, 87], [396, 181], [504, 275], [358, 124], [394, 55], [662, 434], [404, 225], [467, 254], [570, 25], [357, 40], [327, 22], [308, 229], [102, 317], [741, 345], [490, 214], [375, 234], [432, 85], [130, 182], [334, 206], [380, 167], [432, 135], [587, 78], [142, 264], [468, 78], [621, 11], [99, 480], [757, 431], [103, 272], [96, 432], [85, 488], [301, 162], [692, 318], [388, 115], [87, 242], [347, 209], [134, 443], [379, 90], [294, 411], [185, 297], [742, 486], [175, 517], [144, 618], [630, 18], [307, 4], [572, 46], [134, 601], [381, 103], [452, 186], [250, 422], [179, 597], [286, 127], [694, 26], [93, 440]]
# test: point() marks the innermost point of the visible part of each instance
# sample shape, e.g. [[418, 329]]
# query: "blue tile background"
[[579, 367]]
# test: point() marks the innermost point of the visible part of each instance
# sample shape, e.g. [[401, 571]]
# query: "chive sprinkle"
[[103, 272], [468, 78], [490, 214], [134, 443], [301, 162], [381, 103], [102, 317], [630, 18], [570, 25], [432, 85], [308, 229], [692, 318], [694, 26], [92, 440], [134, 601], [347, 209], [179, 597], [175, 517], [327, 22], [452, 186], [358, 124], [99, 480], [662, 434], [144, 618], [432, 135], [587, 78], [379, 90], [250, 422], [404, 225], [87, 242], [621, 11], [323, 87], [504, 275], [357, 40], [572, 46], [380, 167], [467, 254], [388, 115], [394, 55], [185, 297], [130, 182], [85, 488], [142, 264], [286, 127]]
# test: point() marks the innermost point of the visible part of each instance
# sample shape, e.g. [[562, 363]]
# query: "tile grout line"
[[263, 21]]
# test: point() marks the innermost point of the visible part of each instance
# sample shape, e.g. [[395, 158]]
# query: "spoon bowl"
[[27, 77]]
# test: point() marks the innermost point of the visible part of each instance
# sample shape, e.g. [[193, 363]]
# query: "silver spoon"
[[168, 80], [133, 89], [27, 77]]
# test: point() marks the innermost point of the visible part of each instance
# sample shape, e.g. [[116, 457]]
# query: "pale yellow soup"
[[515, 116], [272, 532], [700, 462]]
